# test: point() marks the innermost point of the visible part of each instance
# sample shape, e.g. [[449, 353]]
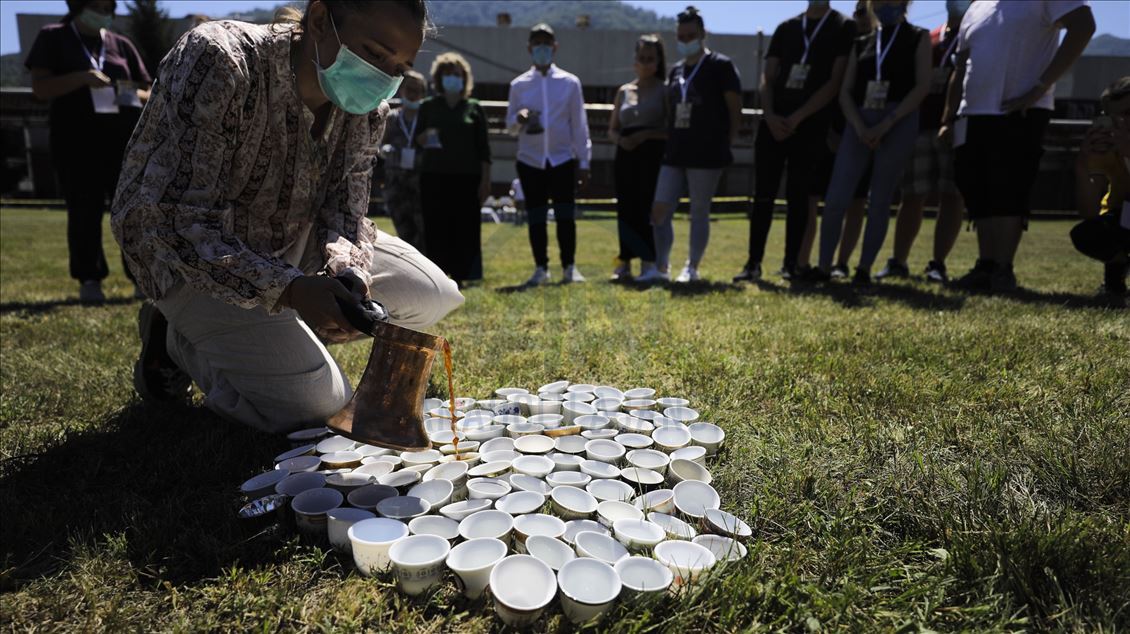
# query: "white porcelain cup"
[[371, 540], [418, 562], [338, 522], [686, 560], [588, 588], [643, 574], [522, 587], [310, 508], [492, 523], [472, 562]]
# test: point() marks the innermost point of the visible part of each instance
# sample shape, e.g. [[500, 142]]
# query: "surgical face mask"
[[94, 20], [688, 49], [818, 4], [452, 84], [957, 8], [889, 14], [409, 104], [351, 83], [542, 55]]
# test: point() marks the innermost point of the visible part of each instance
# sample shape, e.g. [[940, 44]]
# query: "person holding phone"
[[97, 83]]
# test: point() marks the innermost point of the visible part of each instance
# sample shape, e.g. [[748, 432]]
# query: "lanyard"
[[804, 31], [101, 61], [949, 51], [685, 84], [408, 133], [880, 52]]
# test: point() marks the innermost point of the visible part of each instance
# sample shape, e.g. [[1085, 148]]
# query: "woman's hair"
[[75, 7], [418, 9], [415, 75], [447, 60], [654, 40], [691, 14]]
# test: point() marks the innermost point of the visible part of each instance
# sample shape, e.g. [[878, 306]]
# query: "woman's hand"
[[1025, 101], [872, 137], [629, 142], [778, 127], [314, 298], [95, 78]]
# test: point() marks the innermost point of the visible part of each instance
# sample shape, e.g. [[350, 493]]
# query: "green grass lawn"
[[909, 458]]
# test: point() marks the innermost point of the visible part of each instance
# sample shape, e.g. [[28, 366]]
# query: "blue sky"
[[722, 16]]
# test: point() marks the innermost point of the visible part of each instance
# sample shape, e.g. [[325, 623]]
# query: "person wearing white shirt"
[[547, 110], [1009, 58]]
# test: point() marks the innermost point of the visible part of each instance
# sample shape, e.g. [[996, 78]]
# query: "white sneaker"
[[90, 292], [651, 276], [539, 278], [689, 274], [572, 275]]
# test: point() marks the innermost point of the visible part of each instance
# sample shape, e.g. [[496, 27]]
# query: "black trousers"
[[804, 152], [636, 173], [87, 162], [540, 187], [1103, 239], [452, 227]]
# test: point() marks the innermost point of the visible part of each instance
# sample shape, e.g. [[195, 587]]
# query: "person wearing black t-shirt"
[[887, 76], [97, 83], [803, 70]]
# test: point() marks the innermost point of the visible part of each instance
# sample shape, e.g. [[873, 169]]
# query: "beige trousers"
[[271, 371]]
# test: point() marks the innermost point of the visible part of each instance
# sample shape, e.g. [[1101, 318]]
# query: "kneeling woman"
[[249, 176]]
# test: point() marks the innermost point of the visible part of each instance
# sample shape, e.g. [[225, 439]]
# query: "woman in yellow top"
[[247, 178]]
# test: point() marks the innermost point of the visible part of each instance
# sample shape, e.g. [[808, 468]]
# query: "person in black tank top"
[[887, 76]]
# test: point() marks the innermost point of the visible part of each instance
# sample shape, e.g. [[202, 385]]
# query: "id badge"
[[939, 79], [798, 74], [683, 115], [105, 100], [408, 158], [127, 94], [876, 98]]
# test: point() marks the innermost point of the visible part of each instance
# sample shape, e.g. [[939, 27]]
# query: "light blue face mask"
[[351, 83], [890, 14], [409, 104], [688, 49], [542, 55], [94, 20], [452, 84]]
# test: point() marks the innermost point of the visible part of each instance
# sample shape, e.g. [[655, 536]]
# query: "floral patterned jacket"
[[223, 187]]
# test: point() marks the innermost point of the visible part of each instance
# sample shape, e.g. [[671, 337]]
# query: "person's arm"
[[776, 123], [847, 99], [515, 117], [734, 106], [913, 99], [172, 205], [614, 118], [1091, 184], [482, 144], [822, 97], [46, 85], [579, 128], [139, 73], [954, 88], [1080, 25]]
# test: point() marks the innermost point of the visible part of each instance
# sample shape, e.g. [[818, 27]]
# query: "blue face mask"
[[688, 49], [408, 104], [889, 14], [93, 20], [351, 83], [818, 4], [452, 84], [542, 55], [957, 8]]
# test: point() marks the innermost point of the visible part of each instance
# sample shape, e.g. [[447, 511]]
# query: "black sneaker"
[[155, 376], [936, 272], [1114, 279], [1002, 280], [862, 277], [840, 272], [977, 280], [812, 275], [786, 273], [893, 269], [751, 273]]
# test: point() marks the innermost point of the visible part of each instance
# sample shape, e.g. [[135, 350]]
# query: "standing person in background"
[[638, 126], [1102, 191], [96, 83], [931, 167], [1009, 58], [803, 71], [704, 94], [886, 79], [401, 169], [547, 110], [454, 170]]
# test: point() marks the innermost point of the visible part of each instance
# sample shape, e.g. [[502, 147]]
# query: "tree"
[[151, 31]]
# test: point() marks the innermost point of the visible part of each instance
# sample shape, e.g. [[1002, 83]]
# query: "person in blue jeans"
[[887, 76]]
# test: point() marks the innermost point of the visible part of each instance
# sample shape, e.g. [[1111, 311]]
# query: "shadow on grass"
[[165, 477], [36, 308], [850, 296]]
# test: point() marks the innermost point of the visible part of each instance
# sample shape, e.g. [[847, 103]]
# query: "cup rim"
[[636, 560], [588, 562], [442, 545], [476, 542], [499, 590], [663, 557], [373, 521]]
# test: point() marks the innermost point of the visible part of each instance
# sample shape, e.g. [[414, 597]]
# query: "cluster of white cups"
[[581, 491]]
